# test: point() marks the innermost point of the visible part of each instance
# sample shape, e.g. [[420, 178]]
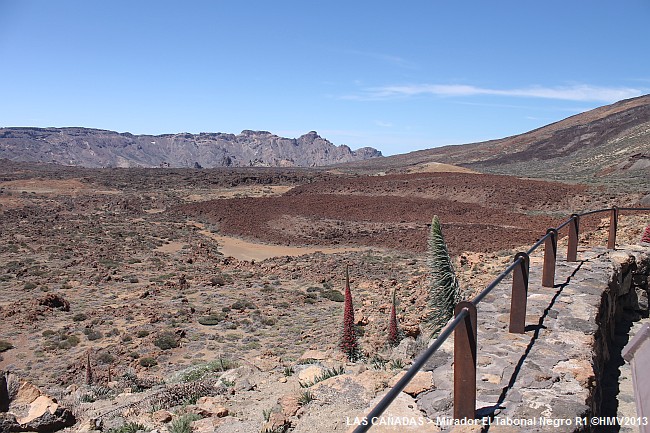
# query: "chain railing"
[[464, 324]]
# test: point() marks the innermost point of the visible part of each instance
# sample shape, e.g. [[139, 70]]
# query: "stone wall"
[[561, 368], [624, 302]]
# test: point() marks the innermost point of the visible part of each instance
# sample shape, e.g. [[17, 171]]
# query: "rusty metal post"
[[465, 363], [550, 255], [613, 224], [574, 230], [519, 295]]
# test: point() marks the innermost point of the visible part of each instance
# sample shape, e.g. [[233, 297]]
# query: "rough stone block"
[[642, 299]]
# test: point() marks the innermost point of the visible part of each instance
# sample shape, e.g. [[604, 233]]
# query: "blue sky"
[[398, 76]]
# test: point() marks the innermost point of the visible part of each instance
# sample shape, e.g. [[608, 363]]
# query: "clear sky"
[[395, 75]]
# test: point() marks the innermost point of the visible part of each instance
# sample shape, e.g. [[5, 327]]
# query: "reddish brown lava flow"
[[479, 212]]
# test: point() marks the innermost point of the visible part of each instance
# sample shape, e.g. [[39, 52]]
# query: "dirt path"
[[243, 250]]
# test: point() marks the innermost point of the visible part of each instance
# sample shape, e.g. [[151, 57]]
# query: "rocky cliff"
[[100, 148]]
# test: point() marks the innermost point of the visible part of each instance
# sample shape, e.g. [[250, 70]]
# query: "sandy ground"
[[52, 186], [242, 250]]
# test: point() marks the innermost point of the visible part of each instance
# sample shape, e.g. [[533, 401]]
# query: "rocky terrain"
[[98, 148], [173, 300], [608, 146], [480, 212], [117, 301]]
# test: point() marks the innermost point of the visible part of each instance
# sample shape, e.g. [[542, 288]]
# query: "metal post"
[[519, 294], [613, 224], [465, 363], [574, 229], [550, 255]]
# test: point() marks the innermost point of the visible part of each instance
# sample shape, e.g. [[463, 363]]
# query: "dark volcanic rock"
[[99, 148]]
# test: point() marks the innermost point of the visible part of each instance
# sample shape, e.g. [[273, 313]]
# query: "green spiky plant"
[[349, 344], [444, 290]]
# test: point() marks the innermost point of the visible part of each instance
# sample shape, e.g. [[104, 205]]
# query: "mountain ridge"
[[90, 147], [609, 144]]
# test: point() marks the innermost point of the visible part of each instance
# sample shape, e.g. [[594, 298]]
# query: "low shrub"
[[326, 374], [105, 358], [305, 398], [198, 372], [79, 317], [148, 362], [220, 280], [184, 423], [212, 319], [166, 340], [5, 345], [242, 305], [129, 427], [92, 334], [333, 295]]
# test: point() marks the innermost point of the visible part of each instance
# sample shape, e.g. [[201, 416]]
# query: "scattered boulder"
[[30, 409], [421, 382], [313, 354], [309, 374], [205, 425], [211, 407], [55, 302], [161, 416]]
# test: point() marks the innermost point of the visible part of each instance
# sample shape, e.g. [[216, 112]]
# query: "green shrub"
[[378, 363], [29, 286], [228, 383], [130, 427], [148, 362], [326, 374], [70, 341], [184, 423], [166, 340], [305, 398], [142, 333], [5, 345], [220, 280], [105, 358], [92, 334], [242, 305], [198, 372], [79, 317], [333, 295], [212, 319]]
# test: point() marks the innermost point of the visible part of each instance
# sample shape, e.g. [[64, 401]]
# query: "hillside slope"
[[99, 148], [609, 145]]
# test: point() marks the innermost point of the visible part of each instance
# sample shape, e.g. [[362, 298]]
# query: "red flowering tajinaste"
[[349, 344], [646, 235]]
